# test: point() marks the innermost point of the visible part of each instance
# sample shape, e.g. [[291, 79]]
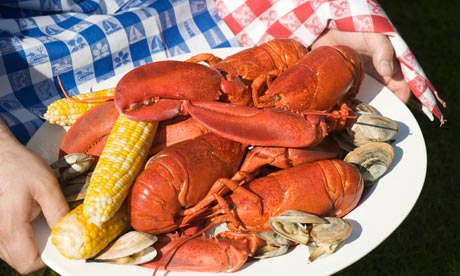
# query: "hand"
[[27, 184], [378, 56]]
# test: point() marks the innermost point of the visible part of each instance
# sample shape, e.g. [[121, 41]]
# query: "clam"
[[326, 237], [277, 245], [291, 225], [131, 248], [362, 107], [75, 189], [323, 234], [74, 172], [344, 140], [371, 127], [372, 159], [73, 165]]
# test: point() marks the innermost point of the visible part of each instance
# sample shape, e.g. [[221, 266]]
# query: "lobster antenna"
[[329, 114], [86, 100]]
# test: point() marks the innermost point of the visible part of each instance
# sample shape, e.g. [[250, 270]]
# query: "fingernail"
[[386, 68]]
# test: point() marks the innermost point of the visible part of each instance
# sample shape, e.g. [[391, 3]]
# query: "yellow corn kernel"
[[75, 238], [66, 111], [122, 158]]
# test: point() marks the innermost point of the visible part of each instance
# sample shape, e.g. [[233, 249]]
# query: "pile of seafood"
[[246, 157]]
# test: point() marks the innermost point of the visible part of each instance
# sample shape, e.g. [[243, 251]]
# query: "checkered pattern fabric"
[[257, 21], [87, 41]]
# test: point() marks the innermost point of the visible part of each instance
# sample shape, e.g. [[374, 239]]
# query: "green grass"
[[427, 242]]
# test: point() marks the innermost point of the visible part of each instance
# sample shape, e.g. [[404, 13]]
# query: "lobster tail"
[[344, 185]]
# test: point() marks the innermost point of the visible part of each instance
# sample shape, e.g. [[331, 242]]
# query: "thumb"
[[51, 200], [382, 55], [54, 207]]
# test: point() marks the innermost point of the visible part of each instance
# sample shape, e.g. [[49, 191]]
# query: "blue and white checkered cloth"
[[85, 42]]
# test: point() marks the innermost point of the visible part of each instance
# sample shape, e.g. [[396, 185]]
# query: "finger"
[[382, 53], [49, 196]]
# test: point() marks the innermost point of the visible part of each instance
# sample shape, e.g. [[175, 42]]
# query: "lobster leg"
[[219, 188], [210, 59], [246, 124], [287, 157]]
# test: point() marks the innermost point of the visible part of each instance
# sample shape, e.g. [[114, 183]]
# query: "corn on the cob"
[[123, 156], [66, 111], [76, 238]]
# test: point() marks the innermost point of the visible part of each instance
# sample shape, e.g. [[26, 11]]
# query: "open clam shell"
[[291, 225], [131, 248], [372, 159], [335, 230], [328, 236], [277, 245], [76, 188]]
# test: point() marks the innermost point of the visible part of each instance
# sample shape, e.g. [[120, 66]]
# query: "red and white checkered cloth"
[[257, 21]]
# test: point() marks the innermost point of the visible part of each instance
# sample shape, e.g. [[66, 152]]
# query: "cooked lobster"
[[325, 188], [291, 113]]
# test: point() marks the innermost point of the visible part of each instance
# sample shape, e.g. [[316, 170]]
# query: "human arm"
[[27, 186]]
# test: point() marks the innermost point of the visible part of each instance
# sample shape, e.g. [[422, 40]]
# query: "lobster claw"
[[163, 109], [153, 91], [89, 133], [261, 127]]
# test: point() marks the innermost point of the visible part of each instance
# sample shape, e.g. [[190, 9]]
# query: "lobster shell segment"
[[262, 127]]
